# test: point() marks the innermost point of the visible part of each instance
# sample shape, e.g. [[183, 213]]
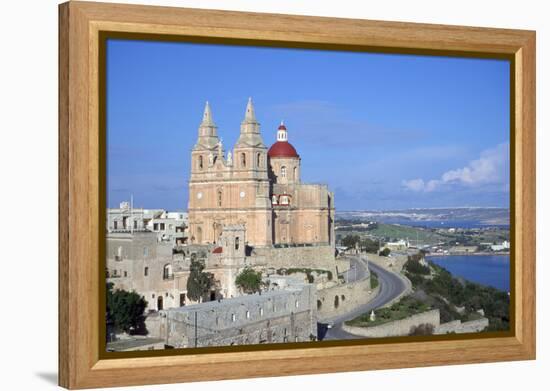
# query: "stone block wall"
[[313, 257], [396, 328], [458, 327], [276, 316], [344, 298], [402, 327]]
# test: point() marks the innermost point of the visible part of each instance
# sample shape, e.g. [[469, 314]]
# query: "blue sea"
[[492, 270], [467, 224]]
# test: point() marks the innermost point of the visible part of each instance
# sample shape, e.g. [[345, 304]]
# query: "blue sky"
[[383, 131]]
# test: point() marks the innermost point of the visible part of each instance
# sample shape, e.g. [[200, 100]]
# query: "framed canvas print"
[[247, 195]]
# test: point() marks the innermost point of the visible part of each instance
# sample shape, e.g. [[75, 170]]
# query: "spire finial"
[[207, 119], [250, 115]]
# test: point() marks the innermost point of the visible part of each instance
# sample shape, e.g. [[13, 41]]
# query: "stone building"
[[247, 208], [257, 188], [137, 261], [169, 226], [281, 315]]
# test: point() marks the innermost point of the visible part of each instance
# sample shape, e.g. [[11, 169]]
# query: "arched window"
[[259, 159], [283, 171], [295, 177], [219, 198], [200, 162], [243, 159]]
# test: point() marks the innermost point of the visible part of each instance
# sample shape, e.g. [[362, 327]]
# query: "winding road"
[[391, 286]]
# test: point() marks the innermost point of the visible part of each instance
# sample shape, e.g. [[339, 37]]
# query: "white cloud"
[[492, 167]]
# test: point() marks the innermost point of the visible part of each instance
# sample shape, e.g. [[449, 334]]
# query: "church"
[[256, 187]]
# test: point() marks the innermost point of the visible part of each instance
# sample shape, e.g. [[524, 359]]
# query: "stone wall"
[[458, 327], [286, 315], [403, 327], [396, 328], [313, 257], [344, 298]]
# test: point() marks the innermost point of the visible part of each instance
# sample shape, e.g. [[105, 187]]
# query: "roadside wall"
[[456, 326], [396, 328], [344, 298], [403, 327]]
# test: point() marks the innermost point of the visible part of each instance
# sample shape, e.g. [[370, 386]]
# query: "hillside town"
[[256, 258]]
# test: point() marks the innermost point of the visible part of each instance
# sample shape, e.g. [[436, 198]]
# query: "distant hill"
[[466, 217]]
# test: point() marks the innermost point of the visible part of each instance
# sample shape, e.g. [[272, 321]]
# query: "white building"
[[169, 226], [501, 247], [400, 245]]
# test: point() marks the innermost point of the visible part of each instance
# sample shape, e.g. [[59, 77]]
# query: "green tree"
[[125, 310], [249, 281], [414, 266], [373, 280], [199, 282], [350, 240], [385, 252], [370, 246]]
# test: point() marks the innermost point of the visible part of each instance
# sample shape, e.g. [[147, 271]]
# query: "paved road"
[[391, 286]]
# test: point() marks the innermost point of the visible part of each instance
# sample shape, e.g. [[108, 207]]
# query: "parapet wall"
[[458, 327], [396, 328], [344, 298], [313, 257], [403, 327]]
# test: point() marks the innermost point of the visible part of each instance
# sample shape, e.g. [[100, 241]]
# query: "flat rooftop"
[[246, 299]]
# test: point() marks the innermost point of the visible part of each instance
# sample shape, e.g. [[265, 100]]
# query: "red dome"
[[282, 149], [282, 127]]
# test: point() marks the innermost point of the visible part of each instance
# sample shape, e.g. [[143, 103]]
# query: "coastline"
[[467, 254], [477, 268]]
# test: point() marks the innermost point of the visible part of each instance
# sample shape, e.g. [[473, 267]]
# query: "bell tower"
[[250, 152], [206, 149], [250, 167], [232, 190]]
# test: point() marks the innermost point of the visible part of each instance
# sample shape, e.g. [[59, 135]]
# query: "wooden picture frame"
[[82, 162]]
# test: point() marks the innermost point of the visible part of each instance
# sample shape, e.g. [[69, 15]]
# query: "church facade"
[[256, 187]]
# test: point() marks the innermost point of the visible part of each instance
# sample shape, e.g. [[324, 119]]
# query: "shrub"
[[414, 266], [249, 281], [422, 329], [125, 310], [385, 252], [373, 280]]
